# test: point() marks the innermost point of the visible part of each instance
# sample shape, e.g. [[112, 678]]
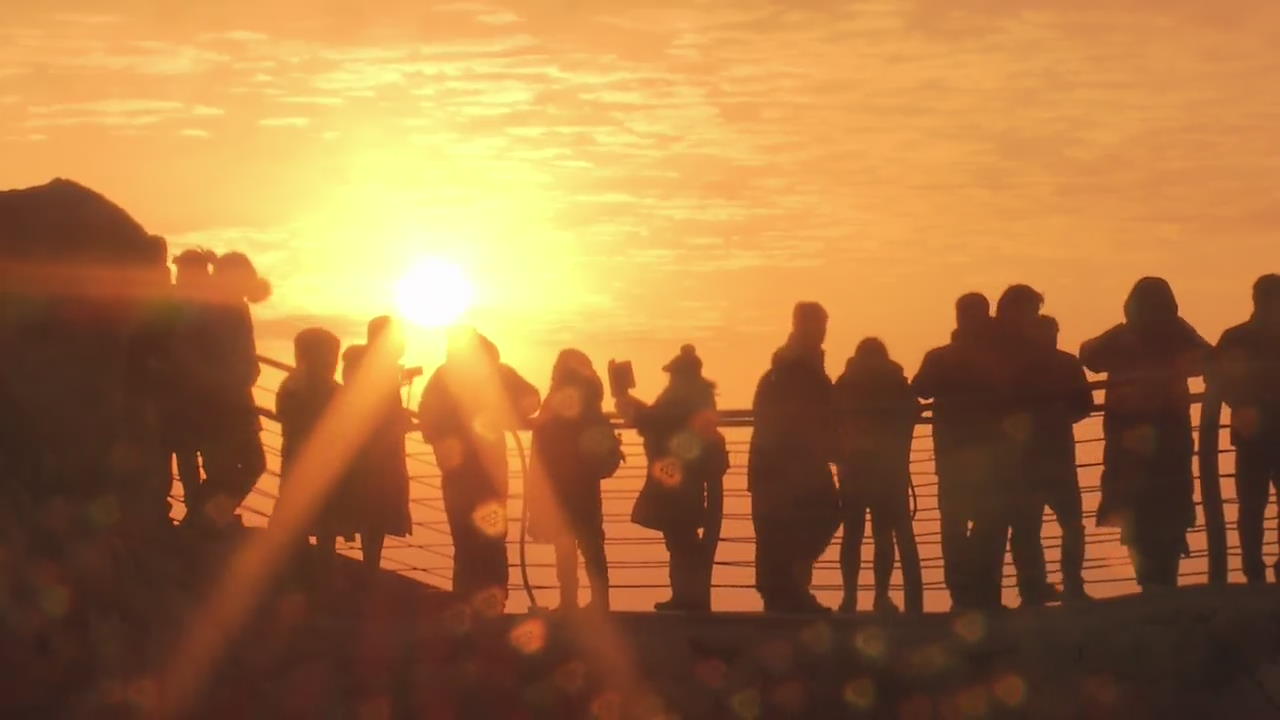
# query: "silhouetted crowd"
[[1004, 398]]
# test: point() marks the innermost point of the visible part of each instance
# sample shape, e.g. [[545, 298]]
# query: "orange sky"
[[627, 176]]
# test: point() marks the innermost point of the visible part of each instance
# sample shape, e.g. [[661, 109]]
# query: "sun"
[[434, 293]]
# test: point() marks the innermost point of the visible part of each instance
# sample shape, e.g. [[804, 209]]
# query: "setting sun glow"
[[434, 293]]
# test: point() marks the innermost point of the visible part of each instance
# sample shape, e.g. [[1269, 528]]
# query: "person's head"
[[1019, 303], [235, 275], [871, 350], [809, 324], [1266, 298], [1150, 302], [467, 346], [973, 311], [685, 365], [573, 366], [385, 329], [315, 351], [193, 268], [1046, 331]]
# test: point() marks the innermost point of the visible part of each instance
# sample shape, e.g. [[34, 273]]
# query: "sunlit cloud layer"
[[681, 170]]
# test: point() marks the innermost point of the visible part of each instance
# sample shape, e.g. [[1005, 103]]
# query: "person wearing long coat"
[[683, 492], [876, 412], [574, 448], [1147, 486], [378, 481], [467, 407], [795, 506]]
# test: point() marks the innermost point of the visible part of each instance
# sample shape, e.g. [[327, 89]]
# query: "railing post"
[[1211, 487]]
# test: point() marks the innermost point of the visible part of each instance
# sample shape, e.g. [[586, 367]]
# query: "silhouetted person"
[[795, 505], [965, 381], [1061, 398], [1146, 478], [231, 449], [468, 405], [574, 448], [876, 412], [304, 396], [1020, 493], [379, 479], [1247, 372], [185, 413], [684, 486]]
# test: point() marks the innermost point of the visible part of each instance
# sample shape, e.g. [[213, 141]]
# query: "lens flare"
[[434, 293]]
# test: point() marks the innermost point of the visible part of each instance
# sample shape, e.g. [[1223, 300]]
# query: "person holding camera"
[[684, 487]]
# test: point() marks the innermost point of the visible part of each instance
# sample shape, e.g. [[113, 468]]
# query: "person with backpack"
[[574, 448], [683, 490]]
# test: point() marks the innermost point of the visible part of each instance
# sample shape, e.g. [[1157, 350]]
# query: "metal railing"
[[637, 557]]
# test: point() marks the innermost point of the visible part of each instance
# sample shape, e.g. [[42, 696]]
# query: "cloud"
[[285, 122], [193, 133], [115, 112], [311, 100], [241, 36]]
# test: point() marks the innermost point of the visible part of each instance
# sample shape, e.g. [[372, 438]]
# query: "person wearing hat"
[[795, 506], [684, 487]]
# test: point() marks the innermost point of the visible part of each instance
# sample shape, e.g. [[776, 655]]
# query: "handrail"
[[1209, 449]]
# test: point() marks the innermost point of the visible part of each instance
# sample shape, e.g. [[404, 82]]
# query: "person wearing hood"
[[684, 485], [795, 506], [964, 380], [1147, 488], [574, 448], [469, 404], [228, 369], [876, 412], [378, 482], [1246, 370]]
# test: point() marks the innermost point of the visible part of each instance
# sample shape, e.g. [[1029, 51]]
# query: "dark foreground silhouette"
[[99, 583]]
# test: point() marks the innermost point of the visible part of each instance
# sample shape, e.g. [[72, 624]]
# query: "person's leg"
[[954, 516], [908, 554], [685, 565], [567, 572], [1252, 489], [457, 510], [1064, 500], [1026, 523], [591, 542], [882, 524], [855, 521], [371, 548], [987, 543], [770, 562]]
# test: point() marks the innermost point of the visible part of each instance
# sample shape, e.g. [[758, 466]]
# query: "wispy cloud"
[[296, 122], [116, 112]]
